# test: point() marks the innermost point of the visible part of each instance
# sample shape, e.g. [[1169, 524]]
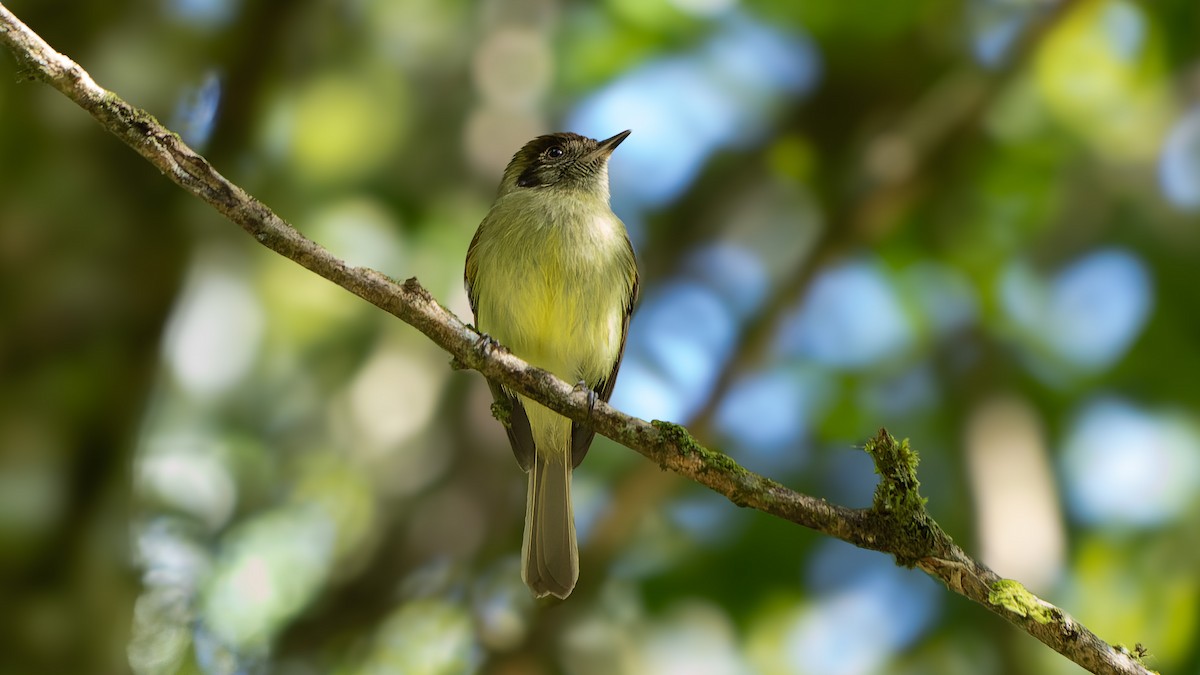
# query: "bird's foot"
[[484, 346], [591, 395]]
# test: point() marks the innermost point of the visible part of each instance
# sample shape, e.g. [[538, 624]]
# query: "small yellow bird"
[[551, 275]]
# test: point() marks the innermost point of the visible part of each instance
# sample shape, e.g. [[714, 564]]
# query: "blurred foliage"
[[972, 221]]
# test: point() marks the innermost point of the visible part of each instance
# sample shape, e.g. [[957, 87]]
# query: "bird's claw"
[[486, 344], [591, 395]]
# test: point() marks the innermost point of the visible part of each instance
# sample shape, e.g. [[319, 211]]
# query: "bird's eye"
[[555, 152]]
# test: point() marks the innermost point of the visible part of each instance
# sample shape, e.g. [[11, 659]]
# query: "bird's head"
[[562, 161]]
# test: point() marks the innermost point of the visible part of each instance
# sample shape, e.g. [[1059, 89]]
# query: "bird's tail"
[[549, 551]]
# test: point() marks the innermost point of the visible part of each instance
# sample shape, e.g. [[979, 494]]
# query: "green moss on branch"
[[898, 501], [1011, 595]]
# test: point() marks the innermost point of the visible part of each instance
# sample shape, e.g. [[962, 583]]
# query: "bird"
[[551, 275]]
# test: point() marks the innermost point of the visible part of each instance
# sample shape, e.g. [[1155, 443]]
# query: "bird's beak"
[[606, 146]]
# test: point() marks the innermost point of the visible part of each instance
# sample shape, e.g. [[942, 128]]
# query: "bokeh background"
[[975, 222]]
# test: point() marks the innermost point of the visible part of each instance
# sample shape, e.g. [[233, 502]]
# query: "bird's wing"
[[520, 437], [469, 269]]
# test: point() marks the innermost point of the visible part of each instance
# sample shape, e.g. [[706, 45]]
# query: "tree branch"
[[896, 523]]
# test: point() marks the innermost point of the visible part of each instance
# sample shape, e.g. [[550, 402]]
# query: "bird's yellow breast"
[[553, 285]]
